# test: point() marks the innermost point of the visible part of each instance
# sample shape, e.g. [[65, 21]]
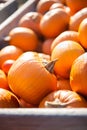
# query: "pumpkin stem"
[[50, 65], [49, 104], [7, 38]]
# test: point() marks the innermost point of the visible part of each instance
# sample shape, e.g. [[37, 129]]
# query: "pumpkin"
[[76, 5], [24, 104], [66, 52], [54, 22], [78, 75], [63, 84], [77, 18], [31, 20], [83, 33], [24, 38], [9, 52], [46, 46], [56, 5], [8, 99], [6, 65], [3, 80], [44, 5], [66, 35], [30, 79], [63, 99]]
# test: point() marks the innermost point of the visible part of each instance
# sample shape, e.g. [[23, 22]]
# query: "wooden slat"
[[43, 119], [12, 21], [8, 8]]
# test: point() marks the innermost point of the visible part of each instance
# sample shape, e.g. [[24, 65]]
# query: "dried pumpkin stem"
[[49, 104], [7, 38], [50, 65]]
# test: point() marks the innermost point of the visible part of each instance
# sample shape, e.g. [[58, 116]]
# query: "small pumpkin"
[[77, 18], [29, 78], [76, 5], [44, 5], [66, 52], [54, 22], [65, 35], [6, 65], [24, 38], [63, 84], [56, 5], [83, 33], [31, 20], [78, 75], [46, 46], [63, 99], [8, 99], [3, 80], [9, 52]]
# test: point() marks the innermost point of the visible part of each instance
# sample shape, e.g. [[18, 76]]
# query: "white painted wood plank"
[[43, 119]]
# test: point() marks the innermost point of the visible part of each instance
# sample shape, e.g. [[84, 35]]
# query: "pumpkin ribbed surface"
[[29, 79]]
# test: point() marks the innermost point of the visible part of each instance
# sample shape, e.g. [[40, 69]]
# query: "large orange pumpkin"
[[66, 52], [54, 22], [63, 99], [78, 75], [29, 78]]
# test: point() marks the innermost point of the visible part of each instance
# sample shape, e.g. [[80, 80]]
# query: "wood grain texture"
[[12, 21], [8, 8], [43, 119]]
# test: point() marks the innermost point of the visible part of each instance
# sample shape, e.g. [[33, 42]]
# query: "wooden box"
[[36, 118]]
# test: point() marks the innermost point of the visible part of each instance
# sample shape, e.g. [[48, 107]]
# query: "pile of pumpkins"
[[44, 64]]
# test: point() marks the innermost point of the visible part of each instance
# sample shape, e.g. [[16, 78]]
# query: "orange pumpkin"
[[46, 46], [63, 84], [9, 52], [8, 99], [24, 104], [31, 20], [44, 5], [3, 80], [56, 5], [78, 75], [29, 78], [54, 22], [66, 52], [83, 33], [63, 99], [76, 5], [24, 38], [77, 18], [66, 35], [6, 65]]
